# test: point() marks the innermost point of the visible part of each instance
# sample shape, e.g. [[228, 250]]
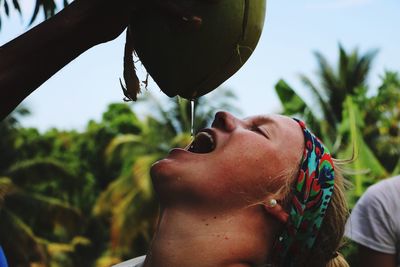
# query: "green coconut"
[[192, 62]]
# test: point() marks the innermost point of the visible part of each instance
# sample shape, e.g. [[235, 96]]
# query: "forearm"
[[372, 258], [29, 60]]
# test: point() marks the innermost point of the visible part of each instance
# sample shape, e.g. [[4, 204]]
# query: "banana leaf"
[[366, 167]]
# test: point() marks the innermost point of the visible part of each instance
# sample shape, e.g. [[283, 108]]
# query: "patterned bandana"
[[312, 193]]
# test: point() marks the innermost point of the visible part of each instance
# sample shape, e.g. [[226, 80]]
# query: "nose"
[[225, 121]]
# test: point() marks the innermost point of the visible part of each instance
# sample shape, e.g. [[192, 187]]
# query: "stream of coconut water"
[[192, 118]]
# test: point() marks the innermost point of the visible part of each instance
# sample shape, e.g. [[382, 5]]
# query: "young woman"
[[262, 191]]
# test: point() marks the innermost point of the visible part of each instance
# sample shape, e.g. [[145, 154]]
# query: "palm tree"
[[382, 121], [337, 117], [129, 200], [348, 78], [38, 194], [33, 224], [49, 8], [366, 167], [8, 132]]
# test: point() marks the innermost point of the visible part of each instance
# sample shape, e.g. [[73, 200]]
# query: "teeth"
[[202, 143], [205, 135]]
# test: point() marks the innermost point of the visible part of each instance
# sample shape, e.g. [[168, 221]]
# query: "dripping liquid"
[[192, 118], [191, 124]]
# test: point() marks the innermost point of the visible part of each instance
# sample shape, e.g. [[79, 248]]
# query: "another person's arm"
[[372, 258], [374, 225], [32, 58], [29, 60]]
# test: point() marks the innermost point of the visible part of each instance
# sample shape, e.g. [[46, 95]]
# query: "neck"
[[191, 238]]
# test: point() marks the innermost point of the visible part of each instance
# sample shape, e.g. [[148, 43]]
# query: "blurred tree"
[[33, 223], [366, 168], [37, 196], [8, 131], [339, 121], [382, 121], [348, 78], [117, 120]]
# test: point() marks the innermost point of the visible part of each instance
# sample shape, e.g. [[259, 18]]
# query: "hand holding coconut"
[[178, 41], [30, 59]]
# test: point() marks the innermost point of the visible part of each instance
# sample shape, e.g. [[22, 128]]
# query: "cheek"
[[250, 173]]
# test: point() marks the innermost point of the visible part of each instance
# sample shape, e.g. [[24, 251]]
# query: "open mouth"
[[203, 143]]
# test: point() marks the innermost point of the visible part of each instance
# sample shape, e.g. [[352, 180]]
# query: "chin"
[[167, 181], [164, 171], [158, 168]]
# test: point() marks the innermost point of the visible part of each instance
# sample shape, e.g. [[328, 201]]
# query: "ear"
[[276, 211]]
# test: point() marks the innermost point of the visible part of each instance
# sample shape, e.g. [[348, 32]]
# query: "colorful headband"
[[312, 193]]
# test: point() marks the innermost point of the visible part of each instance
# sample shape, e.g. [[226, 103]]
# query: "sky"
[[293, 30]]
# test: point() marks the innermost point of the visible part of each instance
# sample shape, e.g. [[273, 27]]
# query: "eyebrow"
[[263, 119], [259, 117]]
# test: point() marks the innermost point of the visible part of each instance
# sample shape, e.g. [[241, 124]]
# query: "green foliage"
[[365, 167], [31, 222], [335, 83], [9, 128], [292, 103], [382, 121], [48, 7], [351, 73]]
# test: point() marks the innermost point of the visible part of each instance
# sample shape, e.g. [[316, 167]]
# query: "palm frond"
[[292, 103], [44, 211], [362, 68], [343, 66], [364, 161], [115, 192], [327, 75], [119, 141], [324, 105], [33, 172], [6, 188], [18, 239], [129, 201], [16, 6], [49, 8]]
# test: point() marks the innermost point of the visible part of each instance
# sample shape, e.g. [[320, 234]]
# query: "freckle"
[[206, 224], [226, 238]]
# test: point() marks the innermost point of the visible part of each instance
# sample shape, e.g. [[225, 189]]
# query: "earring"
[[272, 203]]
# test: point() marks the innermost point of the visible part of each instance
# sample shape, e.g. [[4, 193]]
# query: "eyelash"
[[257, 129]]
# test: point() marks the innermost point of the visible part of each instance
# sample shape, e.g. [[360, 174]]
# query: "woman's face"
[[231, 164]]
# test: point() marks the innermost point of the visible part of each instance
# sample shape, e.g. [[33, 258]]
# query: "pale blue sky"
[[293, 30]]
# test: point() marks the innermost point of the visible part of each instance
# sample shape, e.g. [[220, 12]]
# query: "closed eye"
[[260, 130]]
